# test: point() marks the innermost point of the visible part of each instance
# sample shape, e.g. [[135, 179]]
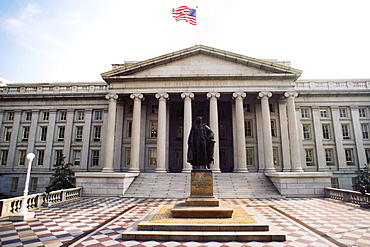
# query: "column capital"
[[213, 94], [162, 96], [290, 94], [264, 94], [187, 95], [111, 96], [139, 96], [239, 94]]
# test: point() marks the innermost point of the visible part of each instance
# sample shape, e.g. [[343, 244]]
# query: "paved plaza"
[[99, 221]]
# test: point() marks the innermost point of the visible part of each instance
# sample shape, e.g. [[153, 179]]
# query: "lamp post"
[[23, 213]]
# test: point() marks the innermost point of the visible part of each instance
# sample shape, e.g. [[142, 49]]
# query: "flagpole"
[[197, 26]]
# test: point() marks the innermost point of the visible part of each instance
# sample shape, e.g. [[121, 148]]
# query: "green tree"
[[363, 178], [63, 177]]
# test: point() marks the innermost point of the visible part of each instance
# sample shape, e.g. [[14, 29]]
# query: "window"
[[43, 132], [305, 113], [58, 156], [362, 112], [10, 116], [152, 157], [3, 157], [306, 131], [7, 134], [247, 107], [324, 113], [180, 114], [154, 108], [349, 156], [128, 156], [153, 129], [179, 132], [365, 131], [272, 107], [80, 115], [45, 116], [33, 184], [129, 129], [334, 182], [343, 112], [222, 131], [79, 130], [40, 157], [61, 131], [95, 158], [76, 157], [22, 157], [329, 157], [273, 128], [28, 116], [309, 157], [248, 128], [200, 113], [62, 115], [98, 115], [326, 131], [14, 184], [345, 131], [250, 156], [97, 133], [275, 154], [367, 152], [26, 133]]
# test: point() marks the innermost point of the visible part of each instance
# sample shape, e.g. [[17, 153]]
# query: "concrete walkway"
[[99, 222]]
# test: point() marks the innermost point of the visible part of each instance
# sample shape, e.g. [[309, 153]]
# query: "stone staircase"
[[226, 185]]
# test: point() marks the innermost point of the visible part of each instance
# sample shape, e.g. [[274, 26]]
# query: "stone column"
[[161, 137], [187, 97], [317, 132], [32, 135], [240, 131], [295, 151], [338, 137], [358, 137], [68, 134], [111, 126], [213, 122], [48, 162], [135, 136], [86, 140], [266, 127], [11, 161]]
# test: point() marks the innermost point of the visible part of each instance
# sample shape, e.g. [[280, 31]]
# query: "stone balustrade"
[[335, 85], [13, 205], [53, 89], [347, 195]]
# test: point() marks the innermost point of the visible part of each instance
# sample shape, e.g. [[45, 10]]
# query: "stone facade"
[[138, 119]]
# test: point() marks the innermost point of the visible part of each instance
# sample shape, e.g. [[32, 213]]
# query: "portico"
[[241, 98]]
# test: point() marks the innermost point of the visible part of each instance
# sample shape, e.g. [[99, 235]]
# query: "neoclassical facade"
[[264, 119]]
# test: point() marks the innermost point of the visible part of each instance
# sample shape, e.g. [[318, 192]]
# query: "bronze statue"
[[200, 146]]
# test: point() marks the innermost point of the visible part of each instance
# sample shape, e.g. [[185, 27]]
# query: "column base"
[[187, 170], [134, 170], [160, 170], [270, 170], [297, 169], [244, 170], [107, 170]]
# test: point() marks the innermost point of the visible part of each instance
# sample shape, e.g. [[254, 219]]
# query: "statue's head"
[[199, 119]]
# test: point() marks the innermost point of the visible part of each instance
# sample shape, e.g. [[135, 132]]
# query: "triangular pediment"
[[201, 61]]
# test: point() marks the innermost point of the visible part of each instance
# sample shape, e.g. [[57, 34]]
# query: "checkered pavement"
[[100, 221]]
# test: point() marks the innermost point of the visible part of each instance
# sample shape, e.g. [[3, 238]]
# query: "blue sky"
[[76, 40]]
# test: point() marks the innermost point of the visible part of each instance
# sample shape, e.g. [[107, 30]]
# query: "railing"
[[335, 85], [32, 89], [347, 195], [13, 205]]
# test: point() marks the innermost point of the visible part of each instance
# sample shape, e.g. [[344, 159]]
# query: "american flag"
[[184, 13]]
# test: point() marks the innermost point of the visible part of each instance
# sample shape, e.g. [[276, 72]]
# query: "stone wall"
[[104, 184], [301, 184]]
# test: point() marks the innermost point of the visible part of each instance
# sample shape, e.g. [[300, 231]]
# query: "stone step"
[[226, 185]]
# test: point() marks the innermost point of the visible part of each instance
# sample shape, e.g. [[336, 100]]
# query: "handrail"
[[347, 195], [13, 205]]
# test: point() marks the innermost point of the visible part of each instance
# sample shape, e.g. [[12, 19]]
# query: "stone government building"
[[265, 120]]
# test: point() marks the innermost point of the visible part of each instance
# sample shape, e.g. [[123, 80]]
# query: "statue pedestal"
[[202, 203]]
